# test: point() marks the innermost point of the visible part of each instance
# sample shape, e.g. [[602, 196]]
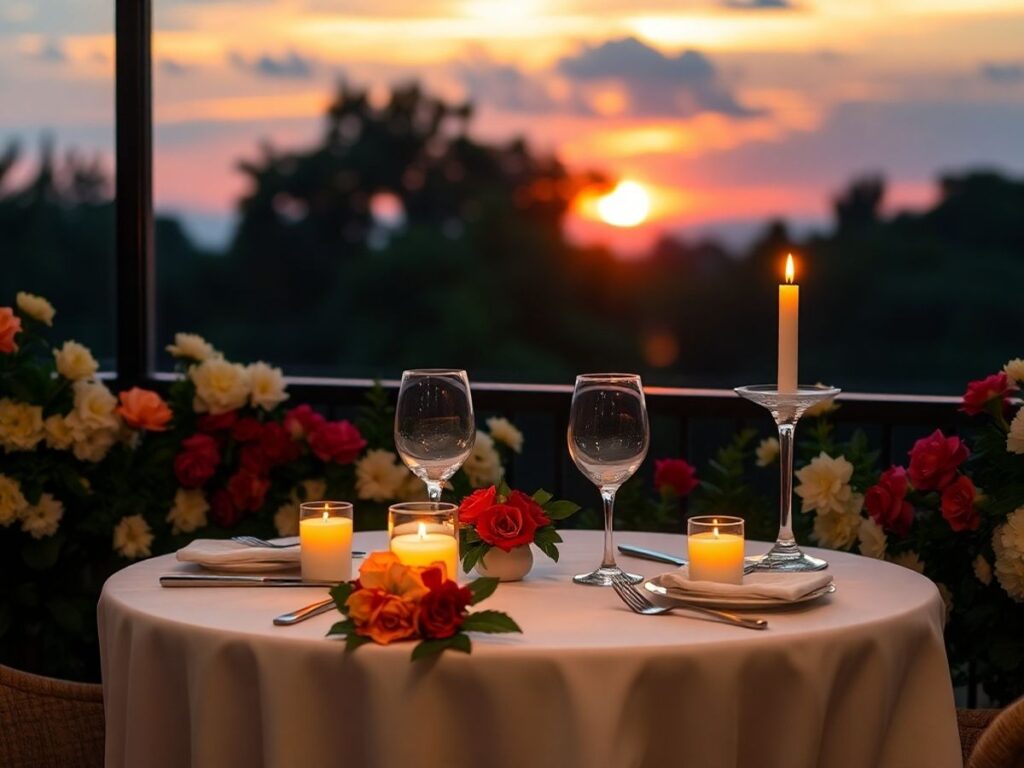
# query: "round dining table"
[[202, 677]]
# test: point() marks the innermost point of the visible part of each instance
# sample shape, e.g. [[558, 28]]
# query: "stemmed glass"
[[608, 440], [434, 425]]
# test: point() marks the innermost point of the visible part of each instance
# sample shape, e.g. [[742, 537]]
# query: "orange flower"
[[144, 409], [10, 325], [382, 571], [383, 617]]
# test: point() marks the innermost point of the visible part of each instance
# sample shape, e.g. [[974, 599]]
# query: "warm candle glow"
[[422, 531], [325, 516], [790, 271], [789, 311]]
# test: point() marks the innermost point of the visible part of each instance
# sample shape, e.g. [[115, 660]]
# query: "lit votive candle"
[[325, 538], [423, 533], [715, 549]]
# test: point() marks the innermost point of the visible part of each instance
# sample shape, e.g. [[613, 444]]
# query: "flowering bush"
[[497, 516], [391, 602]]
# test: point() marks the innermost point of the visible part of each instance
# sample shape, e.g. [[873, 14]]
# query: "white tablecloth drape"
[[200, 677]]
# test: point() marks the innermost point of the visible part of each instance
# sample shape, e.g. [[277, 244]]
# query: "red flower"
[[247, 430], [277, 445], [676, 474], [530, 507], [337, 441], [444, 606], [248, 490], [476, 503], [505, 526], [302, 421], [10, 326], [958, 505], [252, 459], [886, 502], [219, 422], [934, 459], [197, 461], [223, 510], [980, 393]]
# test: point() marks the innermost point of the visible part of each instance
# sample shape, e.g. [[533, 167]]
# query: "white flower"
[[191, 347], [1015, 371], [506, 433], [133, 537], [378, 477], [42, 519], [95, 407], [483, 467], [286, 519], [909, 559], [36, 307], [21, 425], [59, 434], [822, 407], [313, 489], [947, 601], [220, 386], [1015, 438], [1008, 544], [838, 530], [767, 451], [93, 446], [872, 539], [825, 484], [189, 511], [12, 501], [982, 570], [267, 386], [75, 362]]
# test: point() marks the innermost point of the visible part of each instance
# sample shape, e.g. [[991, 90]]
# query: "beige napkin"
[[785, 587], [215, 552]]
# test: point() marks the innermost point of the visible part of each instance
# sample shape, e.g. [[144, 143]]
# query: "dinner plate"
[[717, 601], [264, 567]]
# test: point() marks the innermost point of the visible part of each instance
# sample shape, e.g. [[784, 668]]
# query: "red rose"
[[958, 505], [337, 441], [277, 445], [247, 430], [223, 510], [934, 459], [220, 422], [252, 459], [248, 490], [530, 507], [980, 393], [476, 503], [886, 502], [197, 461], [302, 421], [505, 526], [444, 606], [676, 474]]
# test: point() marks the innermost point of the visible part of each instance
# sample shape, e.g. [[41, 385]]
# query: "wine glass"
[[608, 440], [434, 425]]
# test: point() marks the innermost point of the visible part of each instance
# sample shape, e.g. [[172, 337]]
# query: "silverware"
[[661, 557], [216, 580], [638, 602], [253, 541], [307, 612]]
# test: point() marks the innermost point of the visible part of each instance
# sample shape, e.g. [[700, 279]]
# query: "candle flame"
[[325, 516], [715, 522], [423, 530], [790, 272]]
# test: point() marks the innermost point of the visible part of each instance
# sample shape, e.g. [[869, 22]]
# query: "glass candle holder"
[[715, 545], [425, 532], [325, 536]]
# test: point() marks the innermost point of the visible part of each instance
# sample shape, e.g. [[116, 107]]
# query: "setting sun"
[[628, 205]]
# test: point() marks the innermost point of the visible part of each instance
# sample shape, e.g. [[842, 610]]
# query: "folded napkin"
[[785, 587], [218, 552]]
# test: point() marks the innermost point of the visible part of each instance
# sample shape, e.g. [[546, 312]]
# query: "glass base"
[[603, 577], [787, 558]]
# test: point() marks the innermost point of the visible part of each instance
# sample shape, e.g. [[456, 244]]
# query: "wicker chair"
[[1001, 744], [49, 722]]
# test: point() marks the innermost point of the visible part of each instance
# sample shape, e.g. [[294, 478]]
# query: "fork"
[[638, 602], [252, 541]]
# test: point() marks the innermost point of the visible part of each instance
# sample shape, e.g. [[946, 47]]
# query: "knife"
[[213, 580], [650, 554], [315, 609]]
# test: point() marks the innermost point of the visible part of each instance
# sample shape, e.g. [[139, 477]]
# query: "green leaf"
[[341, 593], [542, 497], [353, 641], [559, 510], [471, 535], [492, 622], [482, 588], [503, 490], [473, 554], [342, 628], [428, 648]]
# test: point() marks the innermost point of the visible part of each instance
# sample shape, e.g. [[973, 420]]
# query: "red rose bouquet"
[[391, 602], [499, 517]]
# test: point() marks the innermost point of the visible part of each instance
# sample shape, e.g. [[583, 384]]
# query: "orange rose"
[[144, 409], [383, 571], [382, 617], [9, 327]]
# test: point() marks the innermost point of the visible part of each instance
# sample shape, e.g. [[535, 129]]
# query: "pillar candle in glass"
[[425, 532], [789, 331], [325, 536], [715, 545]]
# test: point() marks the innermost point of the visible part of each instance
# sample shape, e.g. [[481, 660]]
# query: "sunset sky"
[[725, 112]]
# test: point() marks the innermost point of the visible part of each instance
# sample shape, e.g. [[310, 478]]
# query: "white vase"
[[506, 566]]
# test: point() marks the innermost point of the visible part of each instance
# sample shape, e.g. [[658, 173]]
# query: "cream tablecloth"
[[201, 677]]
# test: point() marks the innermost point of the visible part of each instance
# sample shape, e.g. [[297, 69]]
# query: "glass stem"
[[608, 497], [786, 483], [434, 490]]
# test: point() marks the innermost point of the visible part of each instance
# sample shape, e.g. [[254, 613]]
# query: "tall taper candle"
[[789, 312]]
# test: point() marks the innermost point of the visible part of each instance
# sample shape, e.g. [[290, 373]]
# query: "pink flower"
[[337, 441], [10, 326], [958, 505], [980, 393], [248, 490], [219, 422], [887, 504], [934, 460], [197, 461], [676, 474], [302, 421]]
